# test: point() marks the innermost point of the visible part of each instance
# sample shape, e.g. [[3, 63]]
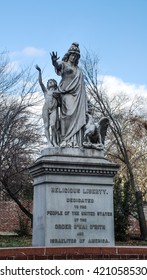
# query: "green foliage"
[[123, 198], [15, 241]]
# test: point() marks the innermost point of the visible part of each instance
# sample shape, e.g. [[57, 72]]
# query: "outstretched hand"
[[37, 67], [54, 57]]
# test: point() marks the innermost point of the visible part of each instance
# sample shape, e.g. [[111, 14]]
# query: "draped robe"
[[73, 103]]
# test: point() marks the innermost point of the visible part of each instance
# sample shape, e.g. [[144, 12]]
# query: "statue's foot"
[[69, 145], [63, 144], [87, 144], [76, 146], [98, 146]]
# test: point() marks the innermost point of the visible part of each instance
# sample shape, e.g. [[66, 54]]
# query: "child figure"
[[50, 109]]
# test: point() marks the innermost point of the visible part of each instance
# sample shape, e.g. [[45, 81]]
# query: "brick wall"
[[134, 229], [10, 215], [99, 253]]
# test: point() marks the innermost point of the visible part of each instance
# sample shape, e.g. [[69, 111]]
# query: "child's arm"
[[40, 80]]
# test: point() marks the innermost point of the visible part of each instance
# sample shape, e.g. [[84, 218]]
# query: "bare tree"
[[19, 131], [103, 106]]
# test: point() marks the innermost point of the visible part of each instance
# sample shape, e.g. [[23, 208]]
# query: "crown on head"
[[74, 49]]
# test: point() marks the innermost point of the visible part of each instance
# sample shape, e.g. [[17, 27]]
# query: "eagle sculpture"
[[95, 133]]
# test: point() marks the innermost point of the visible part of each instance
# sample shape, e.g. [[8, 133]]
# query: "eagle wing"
[[103, 126]]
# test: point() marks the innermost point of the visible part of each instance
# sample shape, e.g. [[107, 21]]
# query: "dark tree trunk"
[[23, 209]]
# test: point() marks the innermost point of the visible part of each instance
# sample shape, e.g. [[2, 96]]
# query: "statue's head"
[[51, 83], [73, 50]]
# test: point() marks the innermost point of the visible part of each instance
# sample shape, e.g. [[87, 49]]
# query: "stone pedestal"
[[73, 198]]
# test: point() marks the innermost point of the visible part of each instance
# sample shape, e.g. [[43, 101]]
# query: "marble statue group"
[[68, 121]]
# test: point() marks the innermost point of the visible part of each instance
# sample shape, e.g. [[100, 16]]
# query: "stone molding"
[[72, 171], [66, 162]]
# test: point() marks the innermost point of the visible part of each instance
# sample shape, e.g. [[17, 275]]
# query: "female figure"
[[73, 97]]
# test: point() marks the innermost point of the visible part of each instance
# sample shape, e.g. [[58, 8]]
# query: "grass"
[[15, 241], [26, 241], [132, 242]]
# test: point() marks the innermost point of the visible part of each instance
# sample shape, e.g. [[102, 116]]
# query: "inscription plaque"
[[79, 215]]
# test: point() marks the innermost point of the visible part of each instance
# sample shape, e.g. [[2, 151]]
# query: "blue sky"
[[115, 30]]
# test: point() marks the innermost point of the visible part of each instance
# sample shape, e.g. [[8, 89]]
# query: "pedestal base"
[[73, 198]]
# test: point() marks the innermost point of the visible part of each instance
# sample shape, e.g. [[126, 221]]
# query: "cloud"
[[134, 96], [31, 51], [114, 85], [27, 51]]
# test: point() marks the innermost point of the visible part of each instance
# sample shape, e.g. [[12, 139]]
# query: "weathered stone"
[[73, 198]]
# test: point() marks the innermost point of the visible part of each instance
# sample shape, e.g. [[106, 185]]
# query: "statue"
[[50, 110], [95, 133], [66, 113], [73, 97]]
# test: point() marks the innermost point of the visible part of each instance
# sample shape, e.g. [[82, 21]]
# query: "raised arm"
[[55, 63], [40, 80]]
